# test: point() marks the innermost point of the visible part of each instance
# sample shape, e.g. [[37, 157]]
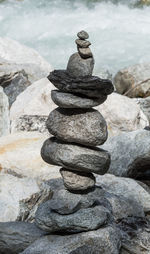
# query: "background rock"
[[130, 154], [20, 154], [4, 114], [129, 77]]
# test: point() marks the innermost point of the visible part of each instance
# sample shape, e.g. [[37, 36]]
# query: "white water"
[[120, 35]]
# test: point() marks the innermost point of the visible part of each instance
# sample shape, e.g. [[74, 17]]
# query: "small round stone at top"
[[83, 35]]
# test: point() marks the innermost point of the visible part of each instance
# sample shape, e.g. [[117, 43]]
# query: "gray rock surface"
[[145, 106], [4, 114], [83, 35], [76, 180], [82, 43], [85, 219], [130, 153], [69, 100], [79, 67], [89, 86], [85, 52], [75, 157], [82, 126], [102, 241], [17, 236]]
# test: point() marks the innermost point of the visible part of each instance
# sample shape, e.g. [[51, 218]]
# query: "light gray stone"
[[82, 126], [4, 114], [82, 43], [83, 35], [85, 219], [17, 236], [85, 52], [76, 180], [69, 100], [75, 157], [101, 241], [145, 106], [79, 67]]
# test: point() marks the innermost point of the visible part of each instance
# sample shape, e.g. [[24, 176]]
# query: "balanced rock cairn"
[[77, 130]]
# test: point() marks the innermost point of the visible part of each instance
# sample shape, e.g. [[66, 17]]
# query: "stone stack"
[[77, 127]]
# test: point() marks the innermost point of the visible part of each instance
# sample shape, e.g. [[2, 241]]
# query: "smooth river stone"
[[89, 86], [82, 126], [75, 157], [85, 52], [75, 181], [69, 100], [80, 221], [82, 43], [83, 35], [79, 67]]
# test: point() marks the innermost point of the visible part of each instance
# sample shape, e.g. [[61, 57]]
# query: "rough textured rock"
[[145, 106], [24, 58], [75, 157], [29, 123], [77, 180], [82, 220], [15, 85], [20, 155], [4, 114], [85, 52], [125, 187], [130, 153], [68, 100], [122, 114], [83, 126], [79, 67], [82, 43], [89, 86], [102, 241], [35, 100], [83, 35], [129, 77], [14, 190], [17, 236]]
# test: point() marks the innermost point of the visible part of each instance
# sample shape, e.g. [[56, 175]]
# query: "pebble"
[[83, 35]]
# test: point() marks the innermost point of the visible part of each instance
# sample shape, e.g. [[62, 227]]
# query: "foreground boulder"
[[4, 114], [130, 154], [101, 241], [126, 80]]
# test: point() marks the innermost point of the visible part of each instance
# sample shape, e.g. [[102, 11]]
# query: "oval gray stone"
[[79, 67], [69, 100], [82, 126], [82, 43], [85, 52], [80, 221], [75, 157], [75, 181], [83, 35]]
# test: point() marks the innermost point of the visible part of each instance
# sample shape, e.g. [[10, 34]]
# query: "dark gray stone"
[[76, 181], [85, 52], [83, 35], [79, 67], [85, 219], [82, 43], [76, 157], [82, 126], [17, 236], [102, 241], [89, 86], [69, 100]]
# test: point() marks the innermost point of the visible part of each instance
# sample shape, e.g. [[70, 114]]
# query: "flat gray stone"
[[69, 100], [83, 220], [17, 236], [85, 52], [93, 87], [75, 181], [83, 35], [82, 43], [79, 67], [82, 126], [75, 157], [102, 241]]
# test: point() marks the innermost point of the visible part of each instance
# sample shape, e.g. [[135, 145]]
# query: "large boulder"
[[101, 241], [20, 154], [126, 80], [4, 114], [19, 197], [130, 154], [122, 114]]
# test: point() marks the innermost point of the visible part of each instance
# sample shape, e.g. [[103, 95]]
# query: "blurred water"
[[120, 34]]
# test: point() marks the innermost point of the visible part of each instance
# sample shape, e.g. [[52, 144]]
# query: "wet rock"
[[17, 236], [83, 126], [69, 100], [75, 157], [76, 180]]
